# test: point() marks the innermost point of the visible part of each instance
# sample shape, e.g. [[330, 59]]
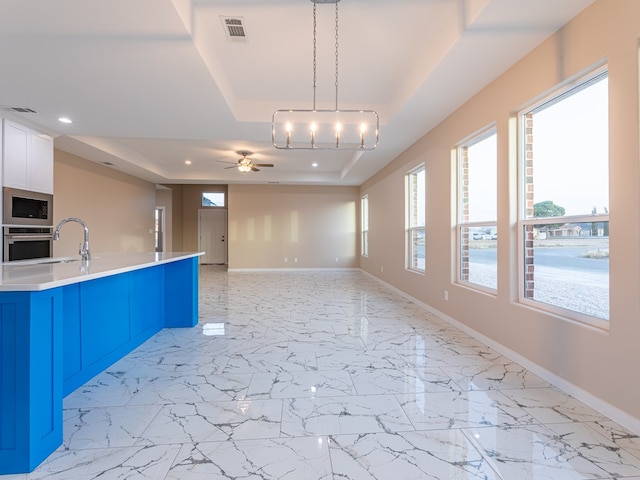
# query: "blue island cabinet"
[[54, 340]]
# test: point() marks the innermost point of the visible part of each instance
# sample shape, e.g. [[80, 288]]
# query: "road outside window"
[[565, 202], [477, 212], [416, 219]]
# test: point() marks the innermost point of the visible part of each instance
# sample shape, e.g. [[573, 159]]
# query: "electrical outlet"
[[295, 259], [286, 259], [446, 295], [381, 269], [337, 259]]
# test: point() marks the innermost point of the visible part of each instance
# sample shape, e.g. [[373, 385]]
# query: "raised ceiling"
[[150, 84]]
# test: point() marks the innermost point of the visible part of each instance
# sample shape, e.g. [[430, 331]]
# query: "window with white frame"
[[364, 220], [477, 211], [213, 199], [564, 193], [415, 231]]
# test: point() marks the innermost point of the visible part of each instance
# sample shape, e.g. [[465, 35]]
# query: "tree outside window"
[[565, 196]]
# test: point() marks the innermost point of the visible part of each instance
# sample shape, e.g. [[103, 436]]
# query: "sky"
[[483, 172], [571, 152], [571, 157]]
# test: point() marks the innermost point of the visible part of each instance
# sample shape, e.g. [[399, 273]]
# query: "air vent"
[[18, 109], [234, 29]]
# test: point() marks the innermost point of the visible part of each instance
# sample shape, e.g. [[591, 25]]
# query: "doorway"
[[212, 236], [159, 228]]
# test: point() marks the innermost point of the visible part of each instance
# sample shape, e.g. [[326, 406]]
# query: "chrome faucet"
[[84, 247]]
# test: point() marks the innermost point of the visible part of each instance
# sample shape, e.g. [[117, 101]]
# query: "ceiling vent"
[[7, 108], [234, 29]]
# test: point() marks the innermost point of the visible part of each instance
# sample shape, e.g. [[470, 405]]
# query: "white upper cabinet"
[[40, 164], [14, 158], [27, 160]]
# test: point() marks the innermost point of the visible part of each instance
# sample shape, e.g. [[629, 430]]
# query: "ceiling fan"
[[245, 164]]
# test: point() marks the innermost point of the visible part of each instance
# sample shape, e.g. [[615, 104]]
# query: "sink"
[[42, 261], [57, 260]]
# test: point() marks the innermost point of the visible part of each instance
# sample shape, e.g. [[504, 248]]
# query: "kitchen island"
[[63, 321]]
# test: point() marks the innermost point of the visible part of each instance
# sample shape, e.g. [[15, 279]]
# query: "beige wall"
[[268, 223], [164, 199], [598, 366], [191, 204], [176, 218], [117, 207], [187, 201], [317, 224]]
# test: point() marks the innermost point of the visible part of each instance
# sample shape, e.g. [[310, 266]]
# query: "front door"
[[213, 236]]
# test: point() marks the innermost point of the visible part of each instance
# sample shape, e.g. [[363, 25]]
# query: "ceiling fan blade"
[[262, 164], [232, 166], [254, 169], [223, 161]]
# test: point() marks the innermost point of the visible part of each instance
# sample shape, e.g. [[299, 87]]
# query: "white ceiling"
[[152, 83]]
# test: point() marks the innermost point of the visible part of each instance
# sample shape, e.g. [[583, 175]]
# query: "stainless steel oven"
[[27, 208], [26, 243]]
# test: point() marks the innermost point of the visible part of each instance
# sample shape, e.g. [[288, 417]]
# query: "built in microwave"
[[27, 208], [26, 243]]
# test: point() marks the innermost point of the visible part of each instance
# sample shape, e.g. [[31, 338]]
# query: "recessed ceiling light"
[[65, 120], [314, 164], [187, 162]]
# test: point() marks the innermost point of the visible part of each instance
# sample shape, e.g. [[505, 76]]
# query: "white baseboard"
[[346, 269], [629, 422]]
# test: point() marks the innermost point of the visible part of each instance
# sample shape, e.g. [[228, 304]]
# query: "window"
[[564, 218], [364, 213], [477, 211], [213, 199], [415, 189]]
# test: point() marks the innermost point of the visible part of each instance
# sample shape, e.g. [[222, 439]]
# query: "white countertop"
[[45, 273]]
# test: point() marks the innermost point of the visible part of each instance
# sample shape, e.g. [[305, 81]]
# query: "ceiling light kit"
[[325, 129], [245, 164]]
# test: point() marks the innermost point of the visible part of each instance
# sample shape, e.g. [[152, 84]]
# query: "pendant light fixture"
[[325, 129]]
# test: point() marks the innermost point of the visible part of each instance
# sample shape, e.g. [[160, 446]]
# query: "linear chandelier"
[[325, 129]]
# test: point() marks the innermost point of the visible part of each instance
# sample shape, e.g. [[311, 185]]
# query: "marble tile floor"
[[326, 375]]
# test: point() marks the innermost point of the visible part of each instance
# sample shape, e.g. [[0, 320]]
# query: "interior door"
[[212, 227]]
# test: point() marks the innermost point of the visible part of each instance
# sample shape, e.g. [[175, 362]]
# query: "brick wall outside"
[[529, 284], [464, 198], [413, 219]]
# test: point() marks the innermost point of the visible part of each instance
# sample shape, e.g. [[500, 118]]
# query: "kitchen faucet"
[[84, 247]]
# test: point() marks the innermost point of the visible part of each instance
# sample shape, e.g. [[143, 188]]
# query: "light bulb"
[[288, 127], [314, 127]]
